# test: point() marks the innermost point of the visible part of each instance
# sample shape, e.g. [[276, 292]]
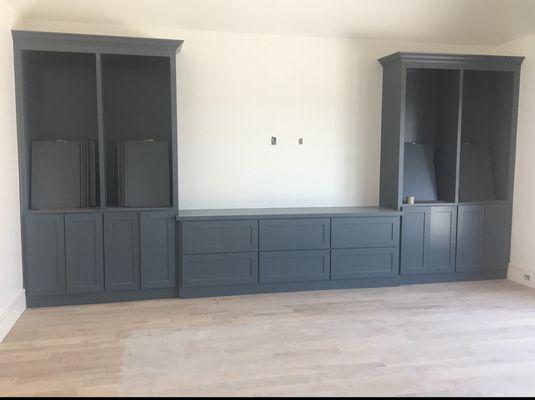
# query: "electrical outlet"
[[273, 141], [527, 277]]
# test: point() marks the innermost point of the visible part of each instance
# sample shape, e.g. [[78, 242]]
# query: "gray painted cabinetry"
[[106, 107], [122, 251], [44, 247], [314, 248], [96, 120], [84, 253], [428, 239]]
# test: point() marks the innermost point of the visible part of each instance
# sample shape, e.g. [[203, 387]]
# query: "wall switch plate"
[[300, 141], [273, 141]]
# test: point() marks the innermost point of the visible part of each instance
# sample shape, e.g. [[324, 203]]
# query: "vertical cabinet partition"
[[448, 140], [97, 150]]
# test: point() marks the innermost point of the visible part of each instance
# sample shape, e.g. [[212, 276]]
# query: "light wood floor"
[[473, 338]]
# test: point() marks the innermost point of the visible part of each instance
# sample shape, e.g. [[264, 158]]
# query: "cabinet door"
[[497, 237], [157, 250], [84, 253], [121, 251], [442, 239], [470, 231], [45, 254], [414, 240]]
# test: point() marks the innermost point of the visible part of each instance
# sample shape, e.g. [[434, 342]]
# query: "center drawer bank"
[[267, 250]]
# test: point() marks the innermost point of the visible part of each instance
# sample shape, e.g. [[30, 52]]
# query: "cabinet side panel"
[[393, 88]]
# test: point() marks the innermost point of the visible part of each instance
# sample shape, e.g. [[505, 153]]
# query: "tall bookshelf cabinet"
[[448, 140], [98, 166]]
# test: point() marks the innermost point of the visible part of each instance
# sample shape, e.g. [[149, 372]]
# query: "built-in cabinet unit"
[[98, 182], [448, 140], [98, 168], [263, 250]]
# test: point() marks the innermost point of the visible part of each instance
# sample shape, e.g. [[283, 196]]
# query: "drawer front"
[[219, 237], [219, 269], [295, 234], [364, 263], [295, 266], [365, 232]]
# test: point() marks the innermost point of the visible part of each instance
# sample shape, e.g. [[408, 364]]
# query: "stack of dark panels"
[[143, 173], [63, 174]]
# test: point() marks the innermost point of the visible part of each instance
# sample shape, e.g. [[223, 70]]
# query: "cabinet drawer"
[[364, 263], [295, 234], [219, 237], [294, 266], [365, 232], [219, 269]]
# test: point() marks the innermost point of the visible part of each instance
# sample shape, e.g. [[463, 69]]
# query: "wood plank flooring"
[[471, 338]]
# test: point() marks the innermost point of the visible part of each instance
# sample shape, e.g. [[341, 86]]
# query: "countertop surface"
[[291, 212]]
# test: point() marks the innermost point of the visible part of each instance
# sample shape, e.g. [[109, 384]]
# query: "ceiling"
[[470, 22]]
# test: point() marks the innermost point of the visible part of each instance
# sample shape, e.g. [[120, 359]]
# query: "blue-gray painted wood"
[[277, 213], [219, 269], [392, 124], [158, 264], [45, 254], [453, 61], [428, 240], [419, 179], [295, 234], [84, 253], [294, 266], [53, 41], [122, 253], [52, 67], [219, 236], [414, 243], [364, 263], [100, 297], [229, 290], [442, 239], [470, 233], [137, 115], [365, 232], [497, 238]]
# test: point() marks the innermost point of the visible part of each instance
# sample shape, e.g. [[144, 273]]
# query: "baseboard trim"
[[518, 274], [11, 313]]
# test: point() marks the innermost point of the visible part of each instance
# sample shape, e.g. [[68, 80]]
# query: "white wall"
[[238, 90], [12, 301], [523, 239]]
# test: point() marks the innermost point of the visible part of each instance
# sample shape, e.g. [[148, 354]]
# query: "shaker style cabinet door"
[[158, 250], [45, 254], [497, 237], [442, 239], [414, 240], [84, 253], [470, 230], [121, 251]]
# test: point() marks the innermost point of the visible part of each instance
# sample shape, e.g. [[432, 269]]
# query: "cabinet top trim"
[[459, 60], [96, 42]]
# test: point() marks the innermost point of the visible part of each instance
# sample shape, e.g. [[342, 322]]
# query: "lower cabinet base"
[[452, 277], [102, 297], [231, 290]]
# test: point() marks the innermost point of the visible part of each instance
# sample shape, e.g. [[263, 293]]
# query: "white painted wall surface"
[[12, 301]]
